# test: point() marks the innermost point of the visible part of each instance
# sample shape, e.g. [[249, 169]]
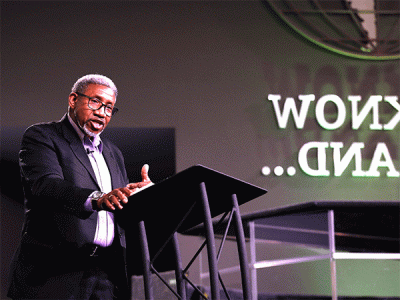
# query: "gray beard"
[[88, 132], [84, 128]]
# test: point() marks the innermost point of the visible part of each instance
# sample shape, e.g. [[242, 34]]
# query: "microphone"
[[89, 151]]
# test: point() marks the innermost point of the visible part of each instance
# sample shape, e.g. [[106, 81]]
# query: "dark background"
[[203, 69]]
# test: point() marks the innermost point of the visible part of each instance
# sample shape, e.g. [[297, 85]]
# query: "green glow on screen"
[[367, 55]]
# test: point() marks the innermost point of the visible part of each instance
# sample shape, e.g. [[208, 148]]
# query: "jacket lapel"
[[77, 147]]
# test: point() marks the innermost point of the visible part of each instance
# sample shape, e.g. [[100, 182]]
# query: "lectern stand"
[[185, 200]]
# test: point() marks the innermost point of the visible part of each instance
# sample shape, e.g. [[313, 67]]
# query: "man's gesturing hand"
[[134, 187], [118, 197]]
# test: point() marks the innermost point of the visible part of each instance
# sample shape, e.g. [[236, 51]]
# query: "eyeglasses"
[[95, 104]]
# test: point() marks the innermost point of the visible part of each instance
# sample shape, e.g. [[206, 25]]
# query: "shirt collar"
[[94, 144]]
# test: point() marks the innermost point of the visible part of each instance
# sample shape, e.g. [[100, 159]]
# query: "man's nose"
[[101, 111]]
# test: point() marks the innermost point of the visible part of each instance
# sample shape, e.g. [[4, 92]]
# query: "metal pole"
[[241, 244], [332, 250], [253, 260], [212, 256], [180, 285], [148, 292]]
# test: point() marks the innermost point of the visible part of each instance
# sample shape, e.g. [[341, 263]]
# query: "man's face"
[[92, 121]]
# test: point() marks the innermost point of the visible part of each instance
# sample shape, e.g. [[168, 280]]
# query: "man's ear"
[[72, 100]]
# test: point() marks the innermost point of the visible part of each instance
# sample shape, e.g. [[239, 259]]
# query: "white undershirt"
[[105, 222]]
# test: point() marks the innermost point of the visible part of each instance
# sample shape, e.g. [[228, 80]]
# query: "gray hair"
[[82, 83]]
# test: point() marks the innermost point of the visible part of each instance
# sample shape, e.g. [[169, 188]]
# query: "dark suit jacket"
[[58, 178]]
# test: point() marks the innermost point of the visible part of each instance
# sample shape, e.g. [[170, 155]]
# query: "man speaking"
[[75, 186]]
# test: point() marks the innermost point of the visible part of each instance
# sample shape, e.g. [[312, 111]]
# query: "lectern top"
[[169, 201]]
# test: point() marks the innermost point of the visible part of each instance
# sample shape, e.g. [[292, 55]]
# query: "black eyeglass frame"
[[114, 109]]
